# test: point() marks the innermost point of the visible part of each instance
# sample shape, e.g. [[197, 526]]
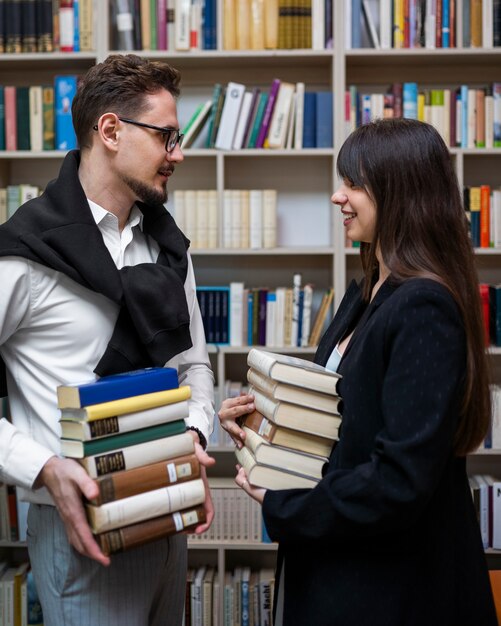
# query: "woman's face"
[[358, 210]]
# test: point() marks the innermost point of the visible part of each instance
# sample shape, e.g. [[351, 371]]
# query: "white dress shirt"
[[53, 331]]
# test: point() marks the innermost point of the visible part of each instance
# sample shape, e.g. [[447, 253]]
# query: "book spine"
[[145, 505], [64, 91], [270, 104], [131, 482], [135, 535]]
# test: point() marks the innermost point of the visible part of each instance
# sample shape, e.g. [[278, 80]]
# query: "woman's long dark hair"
[[421, 230]]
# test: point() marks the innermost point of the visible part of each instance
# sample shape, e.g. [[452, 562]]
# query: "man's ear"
[[107, 128]]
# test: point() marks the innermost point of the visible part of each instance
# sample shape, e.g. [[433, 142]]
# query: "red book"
[[161, 24], [66, 25], [485, 215], [484, 298]]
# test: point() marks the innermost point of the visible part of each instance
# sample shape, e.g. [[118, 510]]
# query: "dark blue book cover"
[[475, 228], [117, 386], [495, 314], [310, 120], [324, 123]]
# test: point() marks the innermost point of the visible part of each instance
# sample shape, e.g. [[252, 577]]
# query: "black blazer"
[[389, 536]]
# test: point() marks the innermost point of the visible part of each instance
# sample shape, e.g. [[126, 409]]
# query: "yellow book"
[[229, 25], [85, 26], [420, 107], [243, 19], [127, 405], [257, 24], [271, 24], [398, 23]]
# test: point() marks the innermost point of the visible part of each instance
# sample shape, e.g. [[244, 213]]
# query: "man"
[[96, 279]]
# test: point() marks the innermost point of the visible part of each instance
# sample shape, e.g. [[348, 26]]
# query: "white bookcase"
[[310, 231]]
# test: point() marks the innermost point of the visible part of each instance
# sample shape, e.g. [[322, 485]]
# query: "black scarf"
[[58, 230]]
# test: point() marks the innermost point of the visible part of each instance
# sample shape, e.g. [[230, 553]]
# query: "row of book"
[[247, 597], [285, 116], [466, 117], [423, 23], [300, 398], [128, 431], [283, 317], [184, 25], [46, 26], [19, 601], [483, 210], [38, 117], [13, 196], [249, 218]]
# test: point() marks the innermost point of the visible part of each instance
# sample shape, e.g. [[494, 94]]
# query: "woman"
[[389, 535]]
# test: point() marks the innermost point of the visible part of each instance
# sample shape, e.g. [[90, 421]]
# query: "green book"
[[263, 99], [216, 93], [211, 138], [192, 119], [80, 449], [23, 118], [153, 24]]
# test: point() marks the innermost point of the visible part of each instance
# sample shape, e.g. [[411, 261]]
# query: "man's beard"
[[146, 194]]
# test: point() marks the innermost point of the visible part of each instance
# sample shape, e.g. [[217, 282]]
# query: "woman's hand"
[[231, 411], [254, 492]]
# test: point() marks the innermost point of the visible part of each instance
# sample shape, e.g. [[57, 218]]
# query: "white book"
[[271, 301], [227, 208], [202, 218], [145, 505], [190, 216], [430, 24], [256, 218], [369, 21], [280, 117], [347, 24], [496, 515], [179, 212], [212, 219], [236, 313], [245, 218], [269, 218], [487, 24], [496, 209], [296, 291], [236, 218], [298, 127], [67, 25], [195, 24], [307, 302], [27, 192], [317, 24], [280, 316], [291, 124], [242, 121], [182, 24], [229, 115], [385, 25], [138, 455], [171, 25], [36, 118]]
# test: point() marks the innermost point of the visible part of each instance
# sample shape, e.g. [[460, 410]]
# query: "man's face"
[[144, 165]]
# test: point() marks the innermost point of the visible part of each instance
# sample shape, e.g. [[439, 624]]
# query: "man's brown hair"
[[120, 85]]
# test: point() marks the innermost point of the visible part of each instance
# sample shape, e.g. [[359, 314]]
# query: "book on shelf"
[[153, 476], [134, 535], [283, 458], [76, 449], [116, 387], [229, 115], [294, 371], [138, 455], [146, 505], [293, 394], [287, 437], [297, 417], [86, 431], [271, 477], [127, 405], [197, 122], [65, 88]]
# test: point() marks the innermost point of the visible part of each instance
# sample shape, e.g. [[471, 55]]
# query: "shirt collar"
[[99, 214]]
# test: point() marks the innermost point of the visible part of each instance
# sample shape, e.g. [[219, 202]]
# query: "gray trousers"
[[145, 586]]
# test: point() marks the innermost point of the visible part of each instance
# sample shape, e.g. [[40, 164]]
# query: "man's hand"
[[205, 461], [66, 482], [231, 410]]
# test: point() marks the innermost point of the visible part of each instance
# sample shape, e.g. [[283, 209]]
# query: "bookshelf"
[[310, 231]]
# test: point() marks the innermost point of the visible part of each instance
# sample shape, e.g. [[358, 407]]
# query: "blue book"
[[310, 120], [65, 88], [464, 116], [76, 26], [409, 100], [250, 315], [356, 23], [213, 303], [324, 124], [446, 33], [116, 387], [495, 314]]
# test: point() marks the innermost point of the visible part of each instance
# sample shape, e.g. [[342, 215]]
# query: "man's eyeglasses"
[[172, 135]]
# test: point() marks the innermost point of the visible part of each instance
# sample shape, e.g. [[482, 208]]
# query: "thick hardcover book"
[[297, 417], [116, 386], [127, 405], [145, 505], [268, 113], [23, 117], [136, 535], [86, 431], [79, 449], [138, 455], [28, 26], [131, 482], [293, 371], [292, 394], [283, 458], [271, 477]]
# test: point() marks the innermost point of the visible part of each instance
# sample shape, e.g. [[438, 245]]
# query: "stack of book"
[[291, 433], [128, 432]]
